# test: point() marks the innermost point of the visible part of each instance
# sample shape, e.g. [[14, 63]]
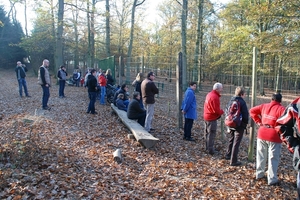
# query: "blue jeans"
[[188, 125], [77, 82], [46, 95], [92, 97], [103, 93], [62, 84], [22, 83], [126, 103]]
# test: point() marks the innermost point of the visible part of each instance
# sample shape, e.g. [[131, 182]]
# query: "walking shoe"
[[95, 113], [213, 152], [227, 157], [190, 139], [46, 108], [238, 163], [152, 129], [28, 96], [275, 184]]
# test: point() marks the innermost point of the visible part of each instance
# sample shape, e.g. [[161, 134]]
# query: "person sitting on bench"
[[135, 111]]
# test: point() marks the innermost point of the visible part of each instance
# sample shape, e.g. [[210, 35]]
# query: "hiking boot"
[[46, 108], [275, 184], [213, 152], [190, 139], [238, 163], [227, 157]]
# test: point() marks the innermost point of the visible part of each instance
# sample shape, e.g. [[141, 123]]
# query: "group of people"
[[276, 125], [141, 106]]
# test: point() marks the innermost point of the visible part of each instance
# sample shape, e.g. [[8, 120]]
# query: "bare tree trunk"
[[93, 34], [59, 43], [279, 76], [89, 36], [25, 16], [107, 29], [262, 76], [198, 49], [128, 61], [183, 42], [75, 14]]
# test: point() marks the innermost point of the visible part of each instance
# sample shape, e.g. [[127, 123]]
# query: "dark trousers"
[[188, 125], [234, 144], [210, 134], [61, 90], [141, 118], [46, 95], [92, 97]]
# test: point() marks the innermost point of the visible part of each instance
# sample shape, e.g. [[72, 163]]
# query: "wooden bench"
[[140, 134]]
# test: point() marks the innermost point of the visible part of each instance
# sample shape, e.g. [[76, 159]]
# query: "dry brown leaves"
[[68, 154]]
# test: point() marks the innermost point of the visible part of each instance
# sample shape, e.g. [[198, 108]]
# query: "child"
[[120, 103]]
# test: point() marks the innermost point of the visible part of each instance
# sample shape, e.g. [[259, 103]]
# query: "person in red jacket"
[[102, 82], [268, 140], [288, 127], [212, 112]]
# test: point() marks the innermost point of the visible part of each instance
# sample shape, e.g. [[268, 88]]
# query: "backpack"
[[233, 116]]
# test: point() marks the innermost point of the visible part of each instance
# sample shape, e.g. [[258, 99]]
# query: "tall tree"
[[107, 14], [59, 42], [10, 36], [134, 5]]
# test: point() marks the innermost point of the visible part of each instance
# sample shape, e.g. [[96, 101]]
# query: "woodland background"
[[216, 40], [65, 153], [68, 154]]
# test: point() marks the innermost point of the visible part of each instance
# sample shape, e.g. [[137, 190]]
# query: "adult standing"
[[236, 135], [62, 76], [288, 127], [135, 111], [44, 81], [102, 82], [212, 112], [149, 89], [268, 141], [76, 77], [137, 86], [21, 74], [189, 110], [110, 79], [92, 90]]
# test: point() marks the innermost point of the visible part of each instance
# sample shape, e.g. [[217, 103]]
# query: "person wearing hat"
[[268, 140], [149, 89], [62, 76]]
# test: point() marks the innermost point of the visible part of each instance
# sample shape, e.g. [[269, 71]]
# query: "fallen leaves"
[[68, 154]]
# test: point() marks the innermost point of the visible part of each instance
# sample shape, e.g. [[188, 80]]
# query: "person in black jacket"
[[137, 86], [135, 111], [149, 90], [109, 77], [62, 76], [21, 74], [123, 90], [92, 90], [236, 135]]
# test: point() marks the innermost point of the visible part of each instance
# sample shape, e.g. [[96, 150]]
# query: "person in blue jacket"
[[189, 110]]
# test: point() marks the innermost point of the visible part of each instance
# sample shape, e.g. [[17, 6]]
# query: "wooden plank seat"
[[140, 134]]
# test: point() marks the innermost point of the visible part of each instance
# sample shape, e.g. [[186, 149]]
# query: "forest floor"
[[65, 153]]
